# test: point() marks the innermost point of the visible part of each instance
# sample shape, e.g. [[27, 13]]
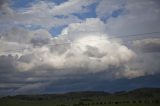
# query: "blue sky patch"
[[117, 13], [61, 16], [114, 14], [22, 3], [58, 2], [26, 3], [55, 31]]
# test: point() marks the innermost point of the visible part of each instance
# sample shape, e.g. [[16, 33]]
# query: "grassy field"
[[76, 102], [134, 98]]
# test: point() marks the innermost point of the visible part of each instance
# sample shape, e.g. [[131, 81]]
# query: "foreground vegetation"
[[139, 97]]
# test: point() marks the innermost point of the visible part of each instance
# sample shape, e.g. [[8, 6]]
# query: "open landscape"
[[79, 52], [138, 97]]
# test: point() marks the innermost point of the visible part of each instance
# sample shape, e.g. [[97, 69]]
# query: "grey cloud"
[[110, 7], [32, 88], [39, 41], [5, 8], [16, 35], [94, 52], [23, 36], [2, 2], [146, 63], [26, 58], [132, 19], [42, 14], [7, 63], [40, 38], [13, 80], [148, 45]]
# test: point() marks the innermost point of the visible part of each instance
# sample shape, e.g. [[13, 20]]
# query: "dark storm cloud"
[[157, 1], [42, 77], [8, 69], [14, 81], [2, 2], [7, 63], [94, 82], [5, 8], [151, 48]]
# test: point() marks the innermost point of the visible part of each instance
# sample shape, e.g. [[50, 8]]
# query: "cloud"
[[34, 59], [89, 52], [16, 35], [128, 17], [3, 2], [44, 14], [88, 27], [145, 63], [18, 39], [89, 56], [6, 61], [32, 88], [72, 6], [5, 9], [107, 8], [148, 45]]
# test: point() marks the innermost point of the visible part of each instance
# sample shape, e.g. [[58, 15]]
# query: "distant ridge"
[[137, 97], [136, 93]]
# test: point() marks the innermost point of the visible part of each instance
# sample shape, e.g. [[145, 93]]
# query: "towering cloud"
[[90, 51], [90, 48], [32, 57]]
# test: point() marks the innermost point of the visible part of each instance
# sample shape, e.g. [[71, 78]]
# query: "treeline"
[[141, 94], [156, 101]]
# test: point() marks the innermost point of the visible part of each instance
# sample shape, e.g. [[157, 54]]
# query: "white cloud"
[[136, 16], [130, 72], [107, 7], [88, 27], [89, 50], [72, 6], [44, 13]]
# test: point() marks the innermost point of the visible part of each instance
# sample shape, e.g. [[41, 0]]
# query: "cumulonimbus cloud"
[[90, 49], [31, 58]]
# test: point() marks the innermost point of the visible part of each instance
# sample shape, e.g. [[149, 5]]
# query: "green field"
[[78, 102], [140, 97]]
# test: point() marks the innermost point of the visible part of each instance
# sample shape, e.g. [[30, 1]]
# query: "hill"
[[142, 96]]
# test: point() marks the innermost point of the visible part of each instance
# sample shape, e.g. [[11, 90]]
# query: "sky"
[[57, 46]]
